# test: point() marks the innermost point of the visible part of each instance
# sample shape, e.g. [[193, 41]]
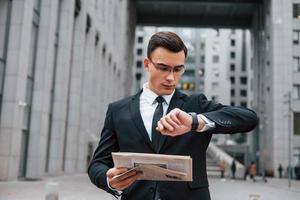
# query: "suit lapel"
[[176, 102], [137, 118]]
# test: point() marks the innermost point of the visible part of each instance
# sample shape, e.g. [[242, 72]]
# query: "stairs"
[[213, 157], [212, 167]]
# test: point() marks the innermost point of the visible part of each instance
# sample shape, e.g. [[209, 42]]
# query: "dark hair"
[[167, 40]]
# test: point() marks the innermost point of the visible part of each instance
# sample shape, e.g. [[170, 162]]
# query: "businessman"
[[160, 119]]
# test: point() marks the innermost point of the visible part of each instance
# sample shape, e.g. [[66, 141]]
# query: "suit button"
[[152, 190]]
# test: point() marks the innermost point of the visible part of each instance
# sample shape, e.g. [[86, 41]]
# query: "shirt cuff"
[[208, 124], [119, 192]]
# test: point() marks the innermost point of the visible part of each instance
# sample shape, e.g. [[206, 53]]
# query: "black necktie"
[[158, 113]]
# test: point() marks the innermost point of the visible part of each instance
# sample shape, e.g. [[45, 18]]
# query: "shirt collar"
[[150, 96]]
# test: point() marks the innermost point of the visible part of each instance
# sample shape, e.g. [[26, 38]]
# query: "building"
[[60, 65], [276, 80]]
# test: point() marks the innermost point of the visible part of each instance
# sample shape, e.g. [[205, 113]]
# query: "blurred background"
[[63, 61]]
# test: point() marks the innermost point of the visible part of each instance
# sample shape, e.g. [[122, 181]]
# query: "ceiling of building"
[[196, 13]]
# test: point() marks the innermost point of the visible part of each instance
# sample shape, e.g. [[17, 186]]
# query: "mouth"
[[169, 86]]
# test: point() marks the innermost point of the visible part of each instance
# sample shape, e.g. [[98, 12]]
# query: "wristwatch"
[[195, 122]]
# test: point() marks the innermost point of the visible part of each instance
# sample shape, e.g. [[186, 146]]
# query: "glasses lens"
[[165, 69]]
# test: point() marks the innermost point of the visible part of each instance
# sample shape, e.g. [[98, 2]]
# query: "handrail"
[[218, 154]]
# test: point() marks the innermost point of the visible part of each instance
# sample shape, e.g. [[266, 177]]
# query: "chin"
[[167, 91]]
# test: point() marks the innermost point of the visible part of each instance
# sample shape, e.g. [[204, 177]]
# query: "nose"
[[170, 75]]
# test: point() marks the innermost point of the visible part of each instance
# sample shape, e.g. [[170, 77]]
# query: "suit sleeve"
[[102, 159], [228, 119]]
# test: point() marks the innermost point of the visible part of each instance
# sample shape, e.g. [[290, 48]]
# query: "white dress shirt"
[[148, 105]]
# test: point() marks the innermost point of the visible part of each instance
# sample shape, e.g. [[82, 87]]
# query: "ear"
[[146, 64]]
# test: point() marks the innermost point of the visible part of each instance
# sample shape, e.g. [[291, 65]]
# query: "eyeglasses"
[[165, 69]]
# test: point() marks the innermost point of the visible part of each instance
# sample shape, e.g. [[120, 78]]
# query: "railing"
[[218, 154]]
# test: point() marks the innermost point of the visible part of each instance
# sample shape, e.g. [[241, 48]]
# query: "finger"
[[123, 176], [172, 122], [115, 171], [121, 185], [174, 117], [166, 125], [159, 127]]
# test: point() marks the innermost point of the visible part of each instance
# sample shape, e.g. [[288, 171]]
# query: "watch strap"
[[195, 122]]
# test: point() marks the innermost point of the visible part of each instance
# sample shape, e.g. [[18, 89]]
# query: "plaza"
[[78, 187]]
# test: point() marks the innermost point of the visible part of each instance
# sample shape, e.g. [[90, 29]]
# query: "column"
[[15, 88], [58, 129], [75, 94], [39, 124]]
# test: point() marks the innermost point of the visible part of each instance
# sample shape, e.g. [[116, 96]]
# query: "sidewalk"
[[274, 189], [78, 187]]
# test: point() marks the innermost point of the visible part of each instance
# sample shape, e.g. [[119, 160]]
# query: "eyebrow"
[[176, 66]]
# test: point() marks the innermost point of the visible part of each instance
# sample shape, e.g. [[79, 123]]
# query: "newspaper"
[[156, 167]]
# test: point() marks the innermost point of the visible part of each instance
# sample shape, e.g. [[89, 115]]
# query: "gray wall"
[[59, 80]]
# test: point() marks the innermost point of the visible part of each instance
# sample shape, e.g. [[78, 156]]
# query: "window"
[[244, 80], [139, 51], [138, 64], [232, 103], [244, 104], [36, 6], [192, 86], [104, 50], [296, 64], [184, 86], [232, 42], [296, 36], [138, 76], [243, 67], [189, 72], [232, 67], [243, 93], [77, 8], [216, 59], [190, 59], [296, 91], [1, 80], [215, 85], [202, 46], [140, 39], [202, 59], [1, 75], [201, 72], [232, 92], [296, 10], [232, 80], [232, 55], [296, 123]]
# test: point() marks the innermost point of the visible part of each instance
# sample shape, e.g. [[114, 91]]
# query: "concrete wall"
[[77, 71]]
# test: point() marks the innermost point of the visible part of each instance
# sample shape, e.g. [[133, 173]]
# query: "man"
[[135, 124], [233, 169]]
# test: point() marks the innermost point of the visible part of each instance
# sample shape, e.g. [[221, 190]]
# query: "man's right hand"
[[122, 182]]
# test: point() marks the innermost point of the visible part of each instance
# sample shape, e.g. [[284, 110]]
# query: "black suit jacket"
[[124, 131]]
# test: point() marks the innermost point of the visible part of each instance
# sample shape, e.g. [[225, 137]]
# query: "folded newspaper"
[[156, 167]]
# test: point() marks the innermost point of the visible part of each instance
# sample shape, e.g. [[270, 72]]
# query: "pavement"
[[78, 187]]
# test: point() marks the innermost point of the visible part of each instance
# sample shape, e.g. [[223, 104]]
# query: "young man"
[[160, 119]]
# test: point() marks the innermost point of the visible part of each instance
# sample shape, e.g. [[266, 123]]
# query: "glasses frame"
[[165, 69]]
